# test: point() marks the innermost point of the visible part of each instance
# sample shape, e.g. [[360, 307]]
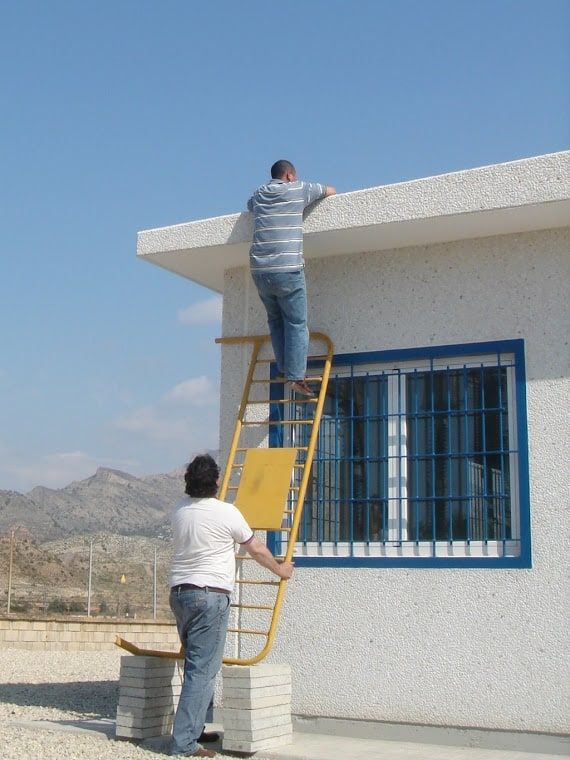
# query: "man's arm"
[[261, 554], [329, 191], [250, 204]]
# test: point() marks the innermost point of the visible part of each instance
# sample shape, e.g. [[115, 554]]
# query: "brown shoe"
[[302, 388], [202, 752]]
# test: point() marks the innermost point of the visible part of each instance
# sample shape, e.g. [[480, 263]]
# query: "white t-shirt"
[[204, 531]]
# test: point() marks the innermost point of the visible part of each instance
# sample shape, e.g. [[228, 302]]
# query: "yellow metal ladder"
[[277, 481], [268, 484]]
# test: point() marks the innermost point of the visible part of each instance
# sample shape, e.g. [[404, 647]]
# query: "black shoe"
[[207, 737]]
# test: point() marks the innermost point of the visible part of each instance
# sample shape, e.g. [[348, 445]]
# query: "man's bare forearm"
[[261, 554]]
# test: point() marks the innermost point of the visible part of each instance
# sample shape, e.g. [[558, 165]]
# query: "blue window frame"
[[421, 460]]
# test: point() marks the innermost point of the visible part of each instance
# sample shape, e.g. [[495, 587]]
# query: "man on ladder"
[[277, 266]]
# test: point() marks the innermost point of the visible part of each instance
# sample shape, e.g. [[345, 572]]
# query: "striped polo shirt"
[[278, 224]]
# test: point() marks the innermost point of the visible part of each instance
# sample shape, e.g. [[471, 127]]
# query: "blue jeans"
[[202, 621], [284, 295]]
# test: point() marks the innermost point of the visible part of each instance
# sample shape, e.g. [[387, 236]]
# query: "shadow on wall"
[[93, 699]]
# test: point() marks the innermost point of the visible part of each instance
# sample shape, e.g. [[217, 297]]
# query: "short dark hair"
[[280, 168], [202, 476]]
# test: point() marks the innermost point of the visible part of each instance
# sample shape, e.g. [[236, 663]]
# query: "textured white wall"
[[485, 648]]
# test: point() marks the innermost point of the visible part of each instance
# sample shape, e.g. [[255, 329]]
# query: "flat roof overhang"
[[519, 196]]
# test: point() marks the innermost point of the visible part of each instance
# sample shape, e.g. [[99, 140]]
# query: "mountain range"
[[109, 501]]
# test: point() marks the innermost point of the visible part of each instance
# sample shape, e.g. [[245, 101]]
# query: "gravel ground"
[[69, 687]]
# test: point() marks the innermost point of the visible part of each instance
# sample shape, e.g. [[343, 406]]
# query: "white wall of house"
[[467, 647]]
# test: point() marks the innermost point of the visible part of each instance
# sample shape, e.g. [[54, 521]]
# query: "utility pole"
[[154, 588], [90, 573], [12, 534]]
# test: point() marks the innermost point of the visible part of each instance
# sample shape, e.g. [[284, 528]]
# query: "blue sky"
[[121, 115]]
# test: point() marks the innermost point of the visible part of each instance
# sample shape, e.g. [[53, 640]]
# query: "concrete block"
[[257, 683], [143, 682], [253, 672], [124, 732], [250, 703], [258, 734], [240, 745], [161, 722], [133, 691], [263, 691], [142, 662], [238, 721], [142, 703], [145, 711]]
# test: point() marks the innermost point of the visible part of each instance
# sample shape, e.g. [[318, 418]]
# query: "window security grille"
[[415, 459]]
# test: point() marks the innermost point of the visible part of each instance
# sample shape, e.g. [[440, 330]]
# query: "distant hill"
[[109, 501]]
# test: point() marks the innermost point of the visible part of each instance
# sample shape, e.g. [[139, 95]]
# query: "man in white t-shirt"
[[205, 531]]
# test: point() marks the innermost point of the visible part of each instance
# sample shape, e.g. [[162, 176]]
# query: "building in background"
[[431, 584]]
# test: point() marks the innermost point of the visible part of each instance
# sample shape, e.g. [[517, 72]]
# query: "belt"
[[192, 587]]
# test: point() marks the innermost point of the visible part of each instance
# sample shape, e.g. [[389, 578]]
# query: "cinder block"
[[238, 745], [134, 691], [257, 683], [139, 682], [124, 732], [161, 722], [253, 672], [259, 733], [247, 703], [238, 719], [144, 712], [262, 691], [142, 662], [141, 702]]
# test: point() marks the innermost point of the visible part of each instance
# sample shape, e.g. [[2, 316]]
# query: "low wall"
[[80, 633]]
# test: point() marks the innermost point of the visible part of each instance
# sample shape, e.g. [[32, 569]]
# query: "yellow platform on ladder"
[[268, 485]]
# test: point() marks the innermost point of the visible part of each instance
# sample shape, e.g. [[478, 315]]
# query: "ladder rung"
[[248, 630], [283, 401], [277, 422], [299, 448], [253, 606], [258, 583]]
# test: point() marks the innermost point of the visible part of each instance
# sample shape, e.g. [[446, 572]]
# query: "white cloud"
[[197, 391], [205, 312], [187, 412], [54, 470], [151, 422]]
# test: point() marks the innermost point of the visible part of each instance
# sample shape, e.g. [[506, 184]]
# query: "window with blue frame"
[[421, 459]]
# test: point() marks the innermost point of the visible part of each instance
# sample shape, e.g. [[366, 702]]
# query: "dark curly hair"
[[202, 477]]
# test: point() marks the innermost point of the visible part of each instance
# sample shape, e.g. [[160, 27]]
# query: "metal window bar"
[[435, 423]]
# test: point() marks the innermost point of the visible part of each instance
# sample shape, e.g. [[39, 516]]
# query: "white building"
[[432, 580]]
